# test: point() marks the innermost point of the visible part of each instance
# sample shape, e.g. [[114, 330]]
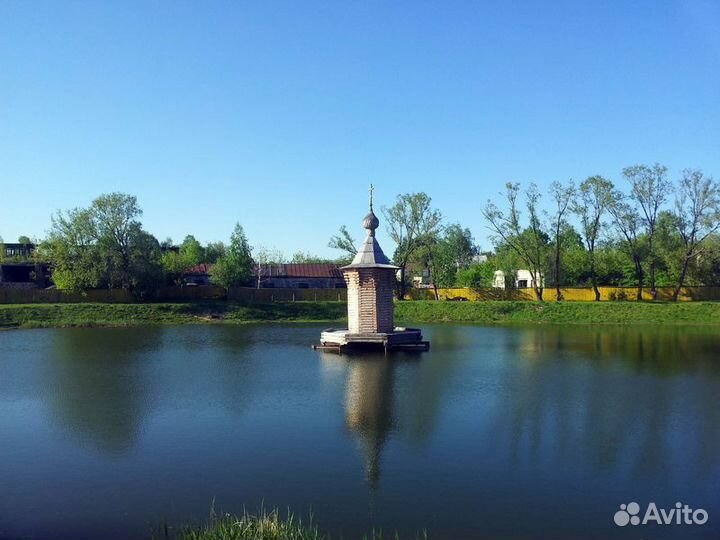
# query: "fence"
[[12, 295], [246, 295], [569, 294]]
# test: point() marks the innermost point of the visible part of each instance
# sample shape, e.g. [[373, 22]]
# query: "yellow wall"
[[569, 294]]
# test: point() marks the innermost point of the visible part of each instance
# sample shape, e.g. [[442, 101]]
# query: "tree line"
[[646, 233]]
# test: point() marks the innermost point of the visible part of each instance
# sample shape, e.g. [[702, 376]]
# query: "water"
[[496, 432]]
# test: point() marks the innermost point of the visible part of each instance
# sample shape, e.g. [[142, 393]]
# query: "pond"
[[513, 432]]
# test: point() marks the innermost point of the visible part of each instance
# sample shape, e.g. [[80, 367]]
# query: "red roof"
[[301, 270], [201, 269], [305, 270]]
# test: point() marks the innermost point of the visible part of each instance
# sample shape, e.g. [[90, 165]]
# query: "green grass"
[[261, 526], [71, 315], [701, 313], [411, 312]]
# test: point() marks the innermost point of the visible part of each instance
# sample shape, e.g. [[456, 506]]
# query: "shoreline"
[[90, 315]]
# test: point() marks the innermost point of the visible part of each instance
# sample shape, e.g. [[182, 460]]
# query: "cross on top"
[[371, 196]]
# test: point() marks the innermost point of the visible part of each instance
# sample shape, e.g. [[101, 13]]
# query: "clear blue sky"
[[279, 114]]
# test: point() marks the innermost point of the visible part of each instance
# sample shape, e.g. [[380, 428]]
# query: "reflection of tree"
[[610, 399], [369, 408], [234, 372], [96, 387]]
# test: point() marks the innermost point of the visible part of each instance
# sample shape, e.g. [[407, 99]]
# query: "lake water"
[[496, 432]]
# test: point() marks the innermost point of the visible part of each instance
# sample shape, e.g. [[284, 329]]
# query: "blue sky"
[[279, 114]]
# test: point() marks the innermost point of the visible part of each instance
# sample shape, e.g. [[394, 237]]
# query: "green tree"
[[103, 245], [345, 243], [453, 252], [235, 267], [562, 195], [411, 223], [697, 217], [192, 251], [73, 250], [173, 266], [594, 197], [530, 244], [476, 276], [176, 262], [649, 188], [213, 251], [300, 257], [627, 221], [24, 240]]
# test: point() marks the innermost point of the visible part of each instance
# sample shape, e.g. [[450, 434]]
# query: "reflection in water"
[[97, 385], [612, 398], [369, 408], [117, 428]]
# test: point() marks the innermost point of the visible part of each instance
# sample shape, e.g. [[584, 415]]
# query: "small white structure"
[[523, 279]]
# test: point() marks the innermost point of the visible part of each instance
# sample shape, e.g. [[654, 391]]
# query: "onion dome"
[[370, 254], [371, 222]]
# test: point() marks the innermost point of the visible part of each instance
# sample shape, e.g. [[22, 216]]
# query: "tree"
[[562, 195], [529, 244], [174, 266], [176, 262], [235, 267], [696, 215], [24, 240], [476, 276], [649, 189], [191, 251], [72, 249], [426, 253], [595, 196], [263, 260], [145, 271], [345, 243], [300, 257], [409, 220], [627, 221], [103, 245], [213, 251], [454, 251]]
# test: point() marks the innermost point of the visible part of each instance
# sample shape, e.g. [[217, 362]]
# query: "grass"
[[411, 312], [89, 315], [518, 312], [265, 525]]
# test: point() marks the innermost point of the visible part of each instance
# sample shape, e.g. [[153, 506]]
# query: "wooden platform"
[[405, 339]]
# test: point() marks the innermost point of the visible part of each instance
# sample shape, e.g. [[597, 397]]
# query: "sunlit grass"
[[264, 525], [409, 312]]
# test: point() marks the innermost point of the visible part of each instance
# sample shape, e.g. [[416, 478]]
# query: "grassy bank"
[[706, 313], [262, 526], [67, 315]]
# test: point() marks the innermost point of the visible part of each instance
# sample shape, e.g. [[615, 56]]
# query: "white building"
[[523, 279]]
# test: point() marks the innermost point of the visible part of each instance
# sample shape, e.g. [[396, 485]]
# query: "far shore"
[[406, 313]]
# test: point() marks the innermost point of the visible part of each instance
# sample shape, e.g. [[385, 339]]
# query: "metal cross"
[[371, 196]]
